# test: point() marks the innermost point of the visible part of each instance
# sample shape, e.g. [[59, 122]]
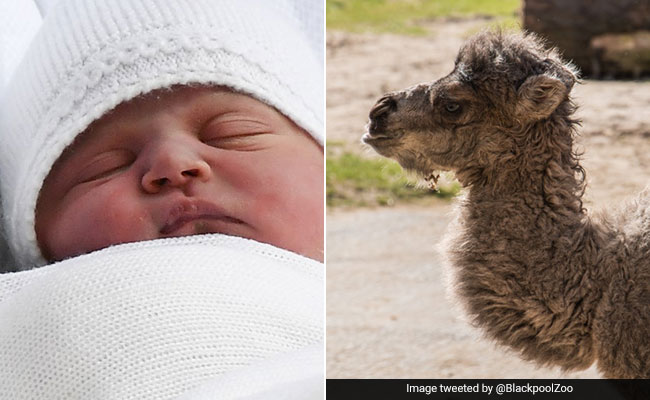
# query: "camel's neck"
[[534, 230], [526, 260], [533, 200], [536, 193], [537, 229]]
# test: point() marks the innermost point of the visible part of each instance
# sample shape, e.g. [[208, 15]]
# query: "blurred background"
[[388, 315]]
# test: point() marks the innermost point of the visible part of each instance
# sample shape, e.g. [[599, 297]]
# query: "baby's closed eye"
[[105, 165], [238, 134]]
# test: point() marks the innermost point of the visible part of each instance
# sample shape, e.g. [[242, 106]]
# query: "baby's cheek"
[[282, 194], [123, 218], [102, 218], [308, 214], [289, 208]]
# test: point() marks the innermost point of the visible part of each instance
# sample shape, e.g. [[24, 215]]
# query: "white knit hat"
[[91, 55]]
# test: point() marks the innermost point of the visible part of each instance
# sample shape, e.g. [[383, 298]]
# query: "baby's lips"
[[188, 210]]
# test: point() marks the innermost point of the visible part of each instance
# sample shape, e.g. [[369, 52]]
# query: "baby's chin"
[[190, 228], [241, 229], [202, 226]]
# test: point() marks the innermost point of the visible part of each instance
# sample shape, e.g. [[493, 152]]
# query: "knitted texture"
[[91, 55], [154, 320], [297, 375], [19, 22]]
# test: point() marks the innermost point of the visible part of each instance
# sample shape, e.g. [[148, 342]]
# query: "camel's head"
[[469, 119]]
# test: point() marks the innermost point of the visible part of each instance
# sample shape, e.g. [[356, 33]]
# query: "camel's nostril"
[[383, 106]]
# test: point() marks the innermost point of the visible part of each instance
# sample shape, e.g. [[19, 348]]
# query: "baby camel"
[[532, 268]]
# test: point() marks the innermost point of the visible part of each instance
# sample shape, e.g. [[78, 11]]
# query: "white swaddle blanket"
[[198, 317]]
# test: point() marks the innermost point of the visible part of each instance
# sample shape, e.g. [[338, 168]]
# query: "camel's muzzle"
[[377, 132]]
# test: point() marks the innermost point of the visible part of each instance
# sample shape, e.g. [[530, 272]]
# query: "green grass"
[[401, 16], [352, 180]]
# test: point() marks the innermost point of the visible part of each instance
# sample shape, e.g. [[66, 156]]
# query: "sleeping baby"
[[185, 161], [162, 125], [161, 176]]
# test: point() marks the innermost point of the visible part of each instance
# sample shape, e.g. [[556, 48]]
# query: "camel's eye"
[[452, 107]]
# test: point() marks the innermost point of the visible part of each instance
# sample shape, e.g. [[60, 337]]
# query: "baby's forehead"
[[166, 99], [188, 102]]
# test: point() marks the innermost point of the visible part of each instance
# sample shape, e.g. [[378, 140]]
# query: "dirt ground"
[[387, 311]]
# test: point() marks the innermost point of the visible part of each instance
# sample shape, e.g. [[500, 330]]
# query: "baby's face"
[[185, 162]]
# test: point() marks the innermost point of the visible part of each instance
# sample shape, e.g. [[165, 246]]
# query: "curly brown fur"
[[534, 270]]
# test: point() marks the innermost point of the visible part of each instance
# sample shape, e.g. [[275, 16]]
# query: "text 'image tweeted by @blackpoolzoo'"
[[488, 189]]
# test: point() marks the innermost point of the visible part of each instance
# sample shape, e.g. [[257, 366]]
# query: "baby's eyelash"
[[231, 124], [239, 142], [105, 173], [234, 133], [106, 165]]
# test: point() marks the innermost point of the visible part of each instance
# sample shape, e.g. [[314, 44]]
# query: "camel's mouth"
[[369, 138], [377, 136], [381, 143]]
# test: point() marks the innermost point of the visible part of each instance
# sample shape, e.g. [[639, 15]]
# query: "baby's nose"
[[174, 168]]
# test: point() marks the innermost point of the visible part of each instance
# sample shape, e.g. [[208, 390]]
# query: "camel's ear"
[[539, 96]]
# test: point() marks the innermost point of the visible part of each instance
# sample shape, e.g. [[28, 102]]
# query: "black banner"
[[496, 389]]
